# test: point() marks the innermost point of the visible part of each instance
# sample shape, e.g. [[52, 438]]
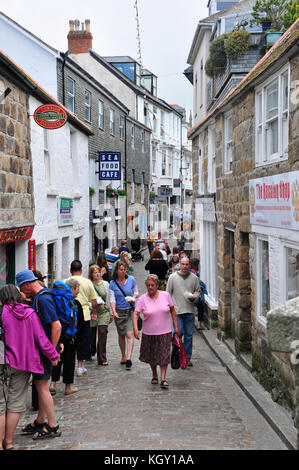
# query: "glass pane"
[[229, 129], [87, 98], [264, 269], [127, 68], [285, 91], [273, 137], [292, 273], [70, 103], [70, 86], [272, 100], [260, 108]]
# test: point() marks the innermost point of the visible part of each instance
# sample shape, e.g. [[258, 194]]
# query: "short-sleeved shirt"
[[47, 309], [156, 313], [87, 294], [127, 287]]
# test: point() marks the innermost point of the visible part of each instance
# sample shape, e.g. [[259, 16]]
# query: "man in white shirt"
[[184, 289]]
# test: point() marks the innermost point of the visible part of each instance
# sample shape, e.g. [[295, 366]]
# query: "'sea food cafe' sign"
[[50, 116], [274, 201]]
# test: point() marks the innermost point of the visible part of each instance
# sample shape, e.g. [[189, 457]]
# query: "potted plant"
[[237, 43], [292, 14], [152, 195], [91, 191], [110, 192], [269, 11], [216, 62]]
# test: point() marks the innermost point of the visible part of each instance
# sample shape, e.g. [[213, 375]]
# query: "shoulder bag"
[[139, 321]]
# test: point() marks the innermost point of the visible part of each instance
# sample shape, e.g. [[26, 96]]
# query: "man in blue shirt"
[[45, 306]]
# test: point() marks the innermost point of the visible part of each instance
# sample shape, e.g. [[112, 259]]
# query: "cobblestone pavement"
[[117, 409]]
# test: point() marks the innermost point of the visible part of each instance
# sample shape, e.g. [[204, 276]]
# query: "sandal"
[[32, 428], [164, 384], [154, 381], [48, 432]]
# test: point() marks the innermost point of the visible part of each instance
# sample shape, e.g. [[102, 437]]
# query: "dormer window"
[[132, 70], [149, 82]]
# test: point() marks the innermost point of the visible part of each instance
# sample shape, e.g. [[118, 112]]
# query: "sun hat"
[[25, 276]]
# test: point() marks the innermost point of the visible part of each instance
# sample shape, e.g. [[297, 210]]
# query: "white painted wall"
[[69, 179], [34, 57]]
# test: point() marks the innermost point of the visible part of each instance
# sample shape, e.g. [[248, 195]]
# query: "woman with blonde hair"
[[100, 320]]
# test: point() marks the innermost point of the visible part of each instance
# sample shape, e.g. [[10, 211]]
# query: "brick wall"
[[16, 200]]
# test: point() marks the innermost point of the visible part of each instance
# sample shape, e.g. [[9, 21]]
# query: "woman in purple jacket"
[[24, 340]]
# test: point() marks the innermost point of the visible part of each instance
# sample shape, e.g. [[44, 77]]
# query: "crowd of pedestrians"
[[29, 310]]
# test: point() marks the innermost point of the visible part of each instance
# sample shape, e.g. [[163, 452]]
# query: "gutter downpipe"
[[63, 76]]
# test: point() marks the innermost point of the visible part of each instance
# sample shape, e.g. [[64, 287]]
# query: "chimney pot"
[[87, 25], [71, 25]]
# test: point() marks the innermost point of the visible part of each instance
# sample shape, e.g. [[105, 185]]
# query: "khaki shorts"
[[13, 394], [124, 322]]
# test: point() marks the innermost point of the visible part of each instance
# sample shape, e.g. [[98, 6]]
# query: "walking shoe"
[[80, 372], [128, 364], [84, 370]]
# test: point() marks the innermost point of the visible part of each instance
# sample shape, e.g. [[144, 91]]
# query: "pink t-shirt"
[[156, 313]]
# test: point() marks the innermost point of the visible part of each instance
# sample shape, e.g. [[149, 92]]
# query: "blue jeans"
[[186, 327]]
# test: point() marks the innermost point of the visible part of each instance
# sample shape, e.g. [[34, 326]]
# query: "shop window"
[[263, 285], [292, 269]]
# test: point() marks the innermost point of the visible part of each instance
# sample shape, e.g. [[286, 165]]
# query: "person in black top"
[[157, 265]]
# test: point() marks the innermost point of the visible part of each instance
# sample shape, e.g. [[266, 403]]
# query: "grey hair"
[[154, 277], [72, 283]]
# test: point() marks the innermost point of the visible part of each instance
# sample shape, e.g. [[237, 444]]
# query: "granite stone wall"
[[16, 188]]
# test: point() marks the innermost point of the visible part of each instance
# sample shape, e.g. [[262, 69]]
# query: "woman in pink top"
[[24, 340], [156, 307]]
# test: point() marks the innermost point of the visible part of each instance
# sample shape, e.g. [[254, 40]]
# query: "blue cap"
[[25, 276]]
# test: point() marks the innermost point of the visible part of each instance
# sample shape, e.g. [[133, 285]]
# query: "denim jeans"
[[186, 327]]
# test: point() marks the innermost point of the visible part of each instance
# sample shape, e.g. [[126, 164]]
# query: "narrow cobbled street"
[[116, 409]]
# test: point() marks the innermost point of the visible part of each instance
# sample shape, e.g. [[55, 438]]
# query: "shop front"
[[13, 252]]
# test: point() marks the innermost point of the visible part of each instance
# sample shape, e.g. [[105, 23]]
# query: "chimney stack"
[[79, 40]]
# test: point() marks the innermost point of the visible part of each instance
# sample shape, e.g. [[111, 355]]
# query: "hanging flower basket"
[[110, 192]]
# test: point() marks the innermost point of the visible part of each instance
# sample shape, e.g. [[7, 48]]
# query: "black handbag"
[[175, 358]]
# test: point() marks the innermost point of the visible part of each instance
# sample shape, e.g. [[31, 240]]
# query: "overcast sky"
[[167, 28]]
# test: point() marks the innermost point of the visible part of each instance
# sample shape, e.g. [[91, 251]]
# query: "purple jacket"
[[25, 339]]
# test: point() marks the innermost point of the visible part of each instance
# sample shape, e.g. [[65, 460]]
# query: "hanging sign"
[[50, 116], [110, 165]]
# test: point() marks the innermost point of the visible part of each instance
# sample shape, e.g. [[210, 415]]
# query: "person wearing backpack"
[[23, 339], [45, 304], [65, 293], [86, 294]]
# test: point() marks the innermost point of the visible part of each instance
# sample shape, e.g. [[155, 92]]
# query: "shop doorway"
[[7, 264], [51, 264], [231, 247]]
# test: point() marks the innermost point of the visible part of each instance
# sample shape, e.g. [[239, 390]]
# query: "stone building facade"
[[257, 255], [16, 188]]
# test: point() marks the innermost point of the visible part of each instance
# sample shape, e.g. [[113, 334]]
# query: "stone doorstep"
[[280, 421]]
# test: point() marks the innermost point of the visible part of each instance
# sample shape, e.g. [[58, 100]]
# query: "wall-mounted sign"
[[110, 165], [10, 235], [274, 201], [31, 254], [65, 211], [50, 116]]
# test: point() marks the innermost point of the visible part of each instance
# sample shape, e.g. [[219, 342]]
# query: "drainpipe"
[[125, 178], [63, 76]]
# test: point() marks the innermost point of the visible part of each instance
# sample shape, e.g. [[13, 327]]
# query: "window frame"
[[212, 158], [133, 136], [112, 121], [87, 106], [227, 143], [260, 317], [122, 127], [101, 114], [201, 186], [262, 155], [71, 96]]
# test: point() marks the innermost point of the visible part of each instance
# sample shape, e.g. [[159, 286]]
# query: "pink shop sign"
[[274, 201]]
